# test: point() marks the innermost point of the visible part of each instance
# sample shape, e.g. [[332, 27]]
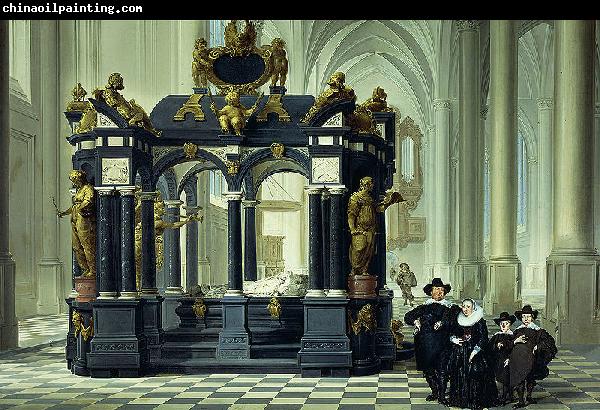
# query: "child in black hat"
[[499, 349]]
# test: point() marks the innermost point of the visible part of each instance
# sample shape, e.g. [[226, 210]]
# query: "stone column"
[[250, 272], [468, 267], [148, 246], [315, 243], [234, 249], [191, 249], [504, 268], [325, 226], [204, 275], [337, 282], [50, 269], [128, 290], [107, 284], [380, 246], [572, 289], [442, 189], [173, 260], [543, 211], [597, 175], [9, 333]]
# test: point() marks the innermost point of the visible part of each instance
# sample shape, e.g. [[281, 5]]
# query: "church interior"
[[221, 213]]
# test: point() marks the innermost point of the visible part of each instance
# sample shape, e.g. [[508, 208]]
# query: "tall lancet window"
[[521, 182], [408, 165]]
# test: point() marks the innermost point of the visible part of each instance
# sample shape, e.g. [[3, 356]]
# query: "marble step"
[[183, 350], [281, 350], [212, 365]]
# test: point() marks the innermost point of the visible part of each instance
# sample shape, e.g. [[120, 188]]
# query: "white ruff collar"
[[441, 302], [510, 332], [475, 317], [531, 326]]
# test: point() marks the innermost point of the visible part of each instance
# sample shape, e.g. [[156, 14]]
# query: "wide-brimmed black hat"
[[436, 282], [526, 309], [505, 316]]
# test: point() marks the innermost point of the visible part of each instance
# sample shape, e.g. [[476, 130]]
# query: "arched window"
[[521, 182]]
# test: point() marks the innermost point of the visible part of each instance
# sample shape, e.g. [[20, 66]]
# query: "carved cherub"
[[199, 63], [279, 61], [234, 114]]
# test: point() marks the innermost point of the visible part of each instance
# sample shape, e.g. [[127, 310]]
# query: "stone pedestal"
[[503, 283], [234, 339], [362, 286], [384, 340], [467, 280], [325, 348], [362, 330], [169, 317], [71, 347], [83, 339], [152, 317], [119, 346], [85, 288]]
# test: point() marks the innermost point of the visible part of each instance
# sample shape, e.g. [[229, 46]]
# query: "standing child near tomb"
[[499, 349]]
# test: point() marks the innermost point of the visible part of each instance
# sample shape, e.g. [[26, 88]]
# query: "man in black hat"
[[533, 349], [499, 348], [432, 342]]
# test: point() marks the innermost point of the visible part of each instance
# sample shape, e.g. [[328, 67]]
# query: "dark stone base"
[[406, 352], [277, 89], [362, 340], [385, 347], [366, 367], [169, 317], [234, 339], [325, 348], [152, 319]]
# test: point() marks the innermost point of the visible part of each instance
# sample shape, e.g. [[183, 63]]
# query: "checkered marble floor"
[[43, 329], [40, 380]]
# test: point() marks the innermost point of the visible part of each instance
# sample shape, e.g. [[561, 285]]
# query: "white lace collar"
[[510, 332], [441, 302], [531, 326], [475, 317]]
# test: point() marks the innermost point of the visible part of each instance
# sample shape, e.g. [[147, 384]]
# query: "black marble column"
[[148, 246], [250, 240], [128, 290], [107, 284], [315, 244], [325, 226], [191, 249], [173, 254], [337, 286], [234, 249]]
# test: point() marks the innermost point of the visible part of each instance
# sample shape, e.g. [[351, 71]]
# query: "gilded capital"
[[441, 104], [544, 103], [467, 25]]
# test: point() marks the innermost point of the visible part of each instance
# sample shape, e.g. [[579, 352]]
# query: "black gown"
[[431, 346], [524, 363], [471, 384], [498, 355]]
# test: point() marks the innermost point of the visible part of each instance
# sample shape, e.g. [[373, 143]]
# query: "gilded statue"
[[362, 121], [280, 62], [83, 223], [377, 103], [363, 224], [159, 228], [130, 110], [396, 329], [365, 318], [78, 94], [337, 91], [240, 44], [89, 119], [234, 114], [200, 63]]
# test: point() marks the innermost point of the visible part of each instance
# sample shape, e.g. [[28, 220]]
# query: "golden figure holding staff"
[[83, 223]]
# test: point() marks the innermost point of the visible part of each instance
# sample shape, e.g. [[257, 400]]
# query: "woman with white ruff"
[[471, 378]]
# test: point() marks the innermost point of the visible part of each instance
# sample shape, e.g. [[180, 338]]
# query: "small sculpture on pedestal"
[[363, 226], [280, 62]]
